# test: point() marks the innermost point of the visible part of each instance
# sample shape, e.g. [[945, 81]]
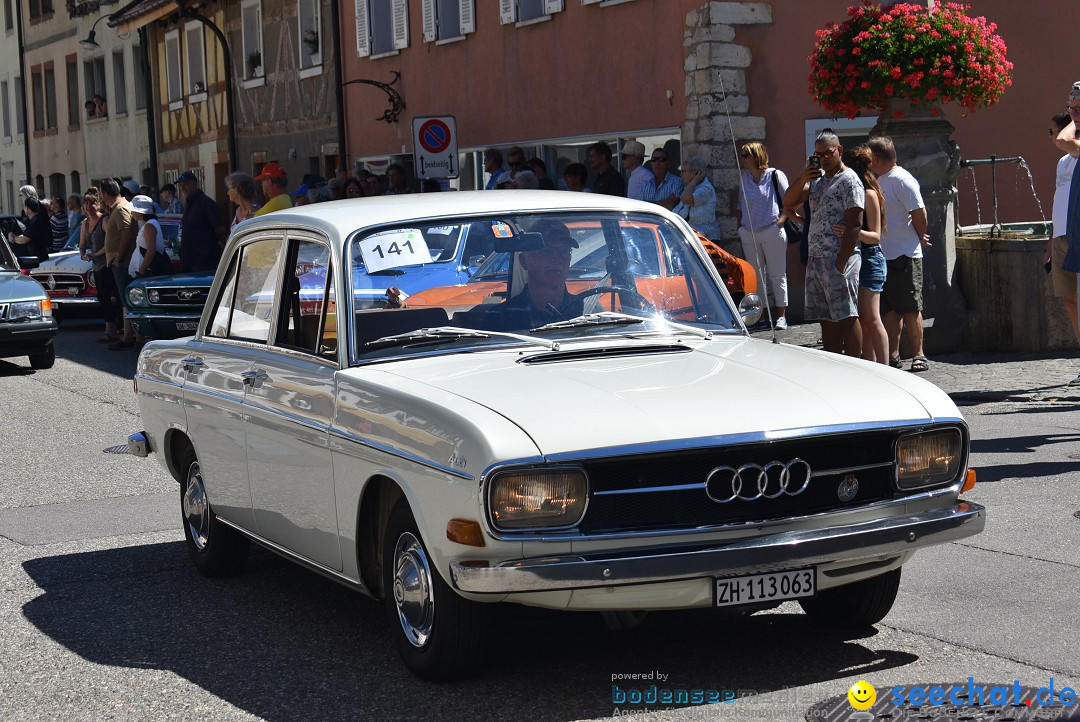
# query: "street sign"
[[435, 147]]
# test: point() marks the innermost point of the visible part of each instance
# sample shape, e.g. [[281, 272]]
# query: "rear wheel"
[[854, 606], [45, 359], [215, 549], [440, 635]]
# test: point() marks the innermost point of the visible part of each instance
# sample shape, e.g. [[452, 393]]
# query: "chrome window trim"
[[965, 455], [164, 381], [486, 495], [349, 436], [325, 428]]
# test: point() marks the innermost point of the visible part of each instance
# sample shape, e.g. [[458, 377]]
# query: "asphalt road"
[[103, 617]]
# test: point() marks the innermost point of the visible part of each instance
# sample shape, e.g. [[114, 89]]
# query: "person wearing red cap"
[[275, 183]]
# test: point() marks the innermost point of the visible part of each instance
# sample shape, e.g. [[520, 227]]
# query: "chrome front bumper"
[[786, 550]]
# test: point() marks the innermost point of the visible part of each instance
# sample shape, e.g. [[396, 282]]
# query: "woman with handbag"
[[150, 257], [762, 220]]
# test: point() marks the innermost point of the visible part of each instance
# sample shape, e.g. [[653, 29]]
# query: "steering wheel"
[[628, 296]]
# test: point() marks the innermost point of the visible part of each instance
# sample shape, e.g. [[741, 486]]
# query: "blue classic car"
[[165, 307]]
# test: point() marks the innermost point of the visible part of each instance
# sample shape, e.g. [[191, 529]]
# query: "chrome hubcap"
[[196, 508], [412, 589]]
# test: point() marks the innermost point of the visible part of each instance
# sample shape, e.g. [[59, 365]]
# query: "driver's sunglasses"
[[825, 153]]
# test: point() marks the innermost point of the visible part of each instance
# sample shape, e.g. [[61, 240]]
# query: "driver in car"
[[544, 297]]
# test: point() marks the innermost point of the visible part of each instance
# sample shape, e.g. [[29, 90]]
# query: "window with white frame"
[[138, 64], [4, 90], [173, 75], [382, 26], [196, 61], [251, 28], [119, 99], [310, 29], [448, 19], [94, 79], [9, 16], [523, 11]]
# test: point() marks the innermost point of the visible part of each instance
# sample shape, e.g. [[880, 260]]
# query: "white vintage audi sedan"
[[589, 427]]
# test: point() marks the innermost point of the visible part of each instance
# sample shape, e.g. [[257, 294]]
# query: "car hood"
[[201, 279], [721, 387], [66, 262], [17, 287]]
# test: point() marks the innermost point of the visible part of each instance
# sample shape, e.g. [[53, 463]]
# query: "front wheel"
[[440, 635], [215, 549], [45, 359], [854, 606]]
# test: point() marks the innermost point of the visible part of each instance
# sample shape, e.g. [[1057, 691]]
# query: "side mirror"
[[28, 262], [750, 309]]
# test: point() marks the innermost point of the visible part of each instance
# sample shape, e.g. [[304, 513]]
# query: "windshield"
[[8, 261], [542, 278]]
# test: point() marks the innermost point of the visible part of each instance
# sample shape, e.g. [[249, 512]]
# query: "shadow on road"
[[283, 644]]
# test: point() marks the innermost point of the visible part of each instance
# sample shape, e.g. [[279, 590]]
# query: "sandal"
[[920, 364], [895, 362]]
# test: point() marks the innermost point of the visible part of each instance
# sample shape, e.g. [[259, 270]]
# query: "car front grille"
[[668, 490], [183, 296], [61, 284]]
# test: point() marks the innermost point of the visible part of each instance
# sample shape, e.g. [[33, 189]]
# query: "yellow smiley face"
[[862, 695]]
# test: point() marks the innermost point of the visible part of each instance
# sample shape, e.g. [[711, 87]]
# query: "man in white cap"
[[633, 155], [1068, 140]]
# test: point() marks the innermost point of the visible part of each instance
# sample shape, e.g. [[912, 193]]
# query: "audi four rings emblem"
[[725, 484]]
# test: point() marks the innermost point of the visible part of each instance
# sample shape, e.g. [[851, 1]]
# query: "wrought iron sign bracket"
[[397, 103]]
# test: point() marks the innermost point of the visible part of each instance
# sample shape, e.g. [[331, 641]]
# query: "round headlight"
[[137, 296], [154, 295], [90, 280]]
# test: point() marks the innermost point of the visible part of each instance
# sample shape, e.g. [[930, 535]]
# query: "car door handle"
[[250, 377], [191, 363]]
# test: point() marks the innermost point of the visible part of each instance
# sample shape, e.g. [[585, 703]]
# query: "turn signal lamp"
[[969, 482], [46, 308], [465, 531]]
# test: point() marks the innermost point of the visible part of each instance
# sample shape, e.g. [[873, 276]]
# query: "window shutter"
[[553, 6], [507, 11], [428, 11], [401, 24], [363, 35], [468, 17]]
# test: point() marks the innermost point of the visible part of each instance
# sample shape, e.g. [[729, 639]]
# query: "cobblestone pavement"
[[977, 377]]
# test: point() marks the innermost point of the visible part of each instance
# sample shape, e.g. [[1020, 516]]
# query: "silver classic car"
[[27, 326], [593, 429]]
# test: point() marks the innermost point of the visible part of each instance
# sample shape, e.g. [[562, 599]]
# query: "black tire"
[[440, 635], [854, 606], [45, 359], [216, 549]]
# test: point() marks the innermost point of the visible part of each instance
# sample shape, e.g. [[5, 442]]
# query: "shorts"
[[831, 295], [872, 273], [1064, 281], [903, 286]]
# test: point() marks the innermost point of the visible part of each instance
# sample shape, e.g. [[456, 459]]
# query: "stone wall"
[[717, 100]]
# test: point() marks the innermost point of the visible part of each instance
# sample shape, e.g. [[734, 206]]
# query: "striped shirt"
[[672, 185]]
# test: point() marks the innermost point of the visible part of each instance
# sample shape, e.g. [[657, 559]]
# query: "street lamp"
[[90, 41]]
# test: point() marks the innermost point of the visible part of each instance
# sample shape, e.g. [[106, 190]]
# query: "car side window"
[[245, 307], [307, 318]]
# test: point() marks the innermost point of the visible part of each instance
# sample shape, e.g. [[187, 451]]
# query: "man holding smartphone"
[[836, 196]]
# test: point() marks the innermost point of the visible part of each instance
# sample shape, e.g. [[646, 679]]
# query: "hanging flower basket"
[[925, 57]]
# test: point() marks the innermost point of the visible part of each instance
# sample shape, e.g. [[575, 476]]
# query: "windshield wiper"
[[604, 318], [449, 333], [612, 318]]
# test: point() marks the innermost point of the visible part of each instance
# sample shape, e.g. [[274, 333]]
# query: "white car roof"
[[338, 219]]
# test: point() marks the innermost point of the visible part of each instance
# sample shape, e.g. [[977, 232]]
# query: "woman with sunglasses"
[[761, 216]]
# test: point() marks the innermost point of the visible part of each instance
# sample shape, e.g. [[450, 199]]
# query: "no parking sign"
[[435, 146]]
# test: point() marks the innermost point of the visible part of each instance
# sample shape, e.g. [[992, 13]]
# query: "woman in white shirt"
[[149, 257]]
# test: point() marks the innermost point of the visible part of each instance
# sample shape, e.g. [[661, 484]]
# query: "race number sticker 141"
[[393, 249]]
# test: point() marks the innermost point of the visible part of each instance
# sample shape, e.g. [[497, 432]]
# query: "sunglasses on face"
[[659, 159]]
